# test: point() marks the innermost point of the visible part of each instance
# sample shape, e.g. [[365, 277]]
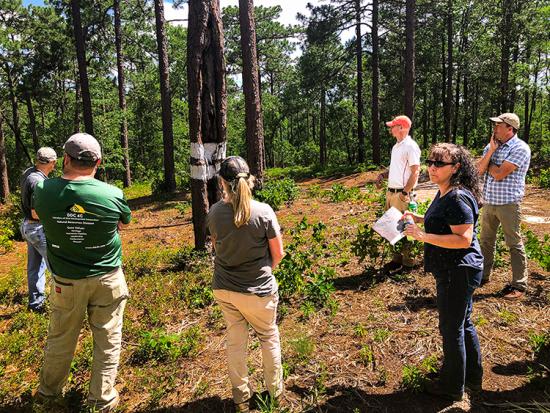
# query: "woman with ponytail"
[[248, 244], [452, 253]]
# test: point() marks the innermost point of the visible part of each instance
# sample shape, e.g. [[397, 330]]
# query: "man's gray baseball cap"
[[46, 155], [83, 146]]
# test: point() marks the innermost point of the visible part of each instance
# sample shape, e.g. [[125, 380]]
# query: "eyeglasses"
[[438, 164]]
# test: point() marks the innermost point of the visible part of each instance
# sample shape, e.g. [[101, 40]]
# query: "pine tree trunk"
[[207, 108], [77, 98], [127, 180], [466, 106], [32, 121], [425, 115], [375, 110], [4, 182], [449, 82], [165, 99], [80, 44], [506, 28], [359, 56], [251, 89], [323, 131], [409, 59]]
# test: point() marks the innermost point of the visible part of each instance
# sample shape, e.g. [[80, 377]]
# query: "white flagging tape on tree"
[[206, 159]]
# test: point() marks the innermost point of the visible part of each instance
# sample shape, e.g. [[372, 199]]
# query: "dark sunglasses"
[[438, 164]]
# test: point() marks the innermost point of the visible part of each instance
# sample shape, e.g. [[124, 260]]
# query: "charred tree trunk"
[[506, 28], [449, 83], [323, 130], [375, 110], [80, 44], [207, 108], [4, 182], [165, 99], [409, 59], [32, 121], [77, 97], [127, 181], [251, 89], [359, 57]]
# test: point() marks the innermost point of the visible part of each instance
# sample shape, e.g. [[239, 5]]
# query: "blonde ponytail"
[[239, 193]]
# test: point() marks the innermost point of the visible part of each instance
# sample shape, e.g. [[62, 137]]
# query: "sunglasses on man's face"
[[438, 164]]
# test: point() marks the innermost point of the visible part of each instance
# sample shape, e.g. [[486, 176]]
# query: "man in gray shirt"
[[32, 230]]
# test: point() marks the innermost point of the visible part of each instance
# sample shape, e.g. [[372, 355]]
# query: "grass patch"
[[159, 345]]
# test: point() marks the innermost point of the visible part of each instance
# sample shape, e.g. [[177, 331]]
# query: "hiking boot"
[[473, 387], [391, 267], [435, 389], [514, 295], [243, 407], [107, 407]]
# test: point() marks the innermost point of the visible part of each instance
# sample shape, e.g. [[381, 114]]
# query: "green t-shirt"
[[80, 220]]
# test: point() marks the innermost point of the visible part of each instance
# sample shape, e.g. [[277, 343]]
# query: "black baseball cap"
[[234, 167]]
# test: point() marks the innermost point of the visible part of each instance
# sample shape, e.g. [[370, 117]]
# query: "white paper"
[[390, 225]]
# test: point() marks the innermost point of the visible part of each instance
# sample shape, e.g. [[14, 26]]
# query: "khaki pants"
[[509, 216], [239, 310], [103, 298], [393, 199]]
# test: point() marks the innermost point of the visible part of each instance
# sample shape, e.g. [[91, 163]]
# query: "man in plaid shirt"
[[504, 166]]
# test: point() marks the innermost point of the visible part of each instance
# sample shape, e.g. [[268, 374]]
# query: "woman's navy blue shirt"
[[457, 207]]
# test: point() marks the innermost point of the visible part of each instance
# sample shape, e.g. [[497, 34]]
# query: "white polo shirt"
[[404, 154]]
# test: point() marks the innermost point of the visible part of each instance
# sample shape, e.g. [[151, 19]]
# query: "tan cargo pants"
[[261, 312], [103, 298], [509, 216], [394, 199]]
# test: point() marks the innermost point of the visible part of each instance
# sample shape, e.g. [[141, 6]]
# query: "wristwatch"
[[404, 192]]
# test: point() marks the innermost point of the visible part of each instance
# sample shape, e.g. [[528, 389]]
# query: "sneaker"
[[107, 407], [514, 295], [50, 403], [507, 289], [391, 267], [435, 389]]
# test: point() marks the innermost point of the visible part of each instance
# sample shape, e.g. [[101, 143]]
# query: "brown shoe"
[[514, 295], [243, 407]]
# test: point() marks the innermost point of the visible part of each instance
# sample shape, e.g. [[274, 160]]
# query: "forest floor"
[[366, 353]]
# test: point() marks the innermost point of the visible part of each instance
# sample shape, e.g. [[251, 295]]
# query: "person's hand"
[[493, 143], [404, 198], [416, 217], [379, 181], [412, 230]]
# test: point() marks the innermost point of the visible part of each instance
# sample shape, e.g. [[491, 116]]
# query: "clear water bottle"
[[413, 207]]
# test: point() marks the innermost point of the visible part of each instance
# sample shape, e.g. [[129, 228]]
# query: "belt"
[[395, 190], [32, 221]]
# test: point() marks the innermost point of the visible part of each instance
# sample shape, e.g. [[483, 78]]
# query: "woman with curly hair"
[[452, 254], [248, 244]]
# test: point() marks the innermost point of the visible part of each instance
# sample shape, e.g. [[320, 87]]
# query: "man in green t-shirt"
[[81, 218]]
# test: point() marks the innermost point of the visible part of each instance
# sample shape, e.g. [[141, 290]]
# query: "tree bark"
[[409, 59], [207, 108], [465, 106], [80, 44], [425, 115], [165, 99], [359, 58], [323, 130], [77, 97], [375, 110], [251, 89], [506, 28], [127, 179], [4, 182], [449, 83], [32, 121]]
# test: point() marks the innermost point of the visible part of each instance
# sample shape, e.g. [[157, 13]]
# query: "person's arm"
[[484, 162], [417, 218], [121, 225], [34, 215], [460, 238], [502, 171], [413, 179], [276, 250]]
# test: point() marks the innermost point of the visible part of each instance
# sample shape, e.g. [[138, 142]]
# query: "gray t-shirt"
[[243, 260], [30, 178]]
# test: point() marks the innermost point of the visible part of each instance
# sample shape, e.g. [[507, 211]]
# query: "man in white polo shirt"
[[402, 178]]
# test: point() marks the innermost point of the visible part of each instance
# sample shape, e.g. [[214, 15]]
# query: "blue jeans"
[[461, 351], [33, 233]]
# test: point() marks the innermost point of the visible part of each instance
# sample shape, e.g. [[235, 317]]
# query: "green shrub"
[[199, 296], [278, 192], [544, 178], [369, 245], [538, 250], [190, 259], [10, 220], [161, 346], [366, 356], [539, 342], [340, 193], [413, 379], [303, 347]]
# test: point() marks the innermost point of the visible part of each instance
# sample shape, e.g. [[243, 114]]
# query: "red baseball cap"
[[401, 120]]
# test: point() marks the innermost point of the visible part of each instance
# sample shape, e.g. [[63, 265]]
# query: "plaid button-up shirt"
[[511, 189]]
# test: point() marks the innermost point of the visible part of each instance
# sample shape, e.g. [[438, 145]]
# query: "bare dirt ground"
[[333, 379]]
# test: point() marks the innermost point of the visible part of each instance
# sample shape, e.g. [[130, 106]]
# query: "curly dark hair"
[[467, 175]]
